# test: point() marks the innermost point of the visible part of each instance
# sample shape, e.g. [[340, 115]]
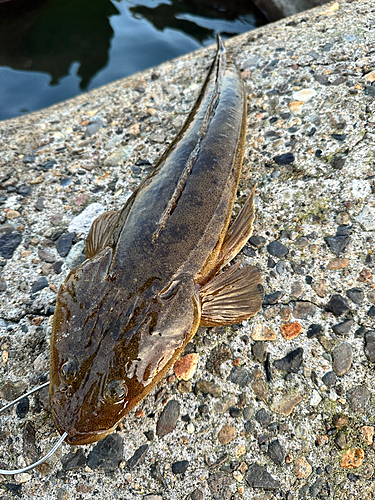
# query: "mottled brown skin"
[[125, 315]]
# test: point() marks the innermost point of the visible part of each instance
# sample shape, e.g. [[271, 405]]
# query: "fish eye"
[[69, 370], [116, 391]]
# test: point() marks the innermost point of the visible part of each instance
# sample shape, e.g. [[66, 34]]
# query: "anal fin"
[[232, 296], [238, 233], [101, 232]]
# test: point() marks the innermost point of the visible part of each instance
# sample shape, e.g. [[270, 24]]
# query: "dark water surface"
[[51, 50]]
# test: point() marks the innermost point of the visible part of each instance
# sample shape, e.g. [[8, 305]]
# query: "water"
[[59, 48]]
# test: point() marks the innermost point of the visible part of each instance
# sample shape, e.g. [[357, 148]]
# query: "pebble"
[[263, 417], [291, 362], [93, 127], [39, 205], [356, 295], [8, 244], [302, 243], [358, 398], [352, 459], [371, 297], [25, 190], [302, 468], [368, 434], [64, 244], [344, 327], [167, 420], [371, 312], [219, 486], [258, 477], [63, 494], [258, 350], [221, 406], [260, 391], [296, 107], [304, 309], [304, 95], [340, 441], [286, 404], [291, 330], [342, 358], [338, 305], [180, 467], [227, 434], [329, 379], [336, 264], [321, 288], [39, 284], [207, 387], [370, 346], [46, 256], [339, 420], [23, 407], [107, 454], [73, 460], [138, 457], [153, 497], [276, 452], [76, 255], [277, 249], [337, 244], [240, 376], [257, 241], [262, 333], [272, 298], [12, 214], [82, 223], [185, 367], [367, 218]]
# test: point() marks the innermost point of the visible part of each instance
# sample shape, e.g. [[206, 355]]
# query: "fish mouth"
[[80, 438]]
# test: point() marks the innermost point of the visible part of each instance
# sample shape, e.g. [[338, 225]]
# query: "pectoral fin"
[[101, 232], [232, 296], [238, 233]]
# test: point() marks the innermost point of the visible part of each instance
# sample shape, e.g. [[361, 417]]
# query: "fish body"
[[152, 273]]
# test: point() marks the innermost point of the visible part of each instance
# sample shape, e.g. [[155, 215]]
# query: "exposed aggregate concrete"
[[280, 406]]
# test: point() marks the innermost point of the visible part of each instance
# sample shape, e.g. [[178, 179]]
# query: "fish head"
[[111, 344]]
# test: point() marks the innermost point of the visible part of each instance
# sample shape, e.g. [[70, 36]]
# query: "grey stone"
[[138, 457], [338, 305], [258, 477], [240, 376], [219, 486], [76, 255], [272, 298], [74, 460], [371, 312], [358, 398], [8, 244], [277, 249], [304, 309], [291, 362], [107, 454], [370, 345], [337, 244], [263, 417], [356, 295], [342, 358], [344, 327], [180, 467], [46, 256], [168, 418], [93, 127], [39, 284], [259, 351], [329, 379], [257, 241], [276, 452], [64, 244]]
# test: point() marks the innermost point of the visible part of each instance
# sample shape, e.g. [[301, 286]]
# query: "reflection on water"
[[58, 48]]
